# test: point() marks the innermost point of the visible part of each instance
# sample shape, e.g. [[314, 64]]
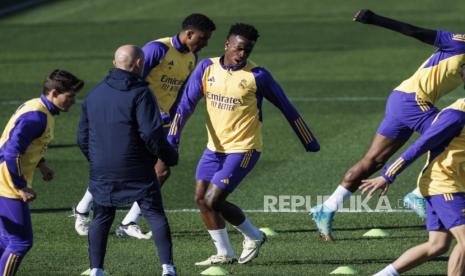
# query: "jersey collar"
[[49, 105], [178, 45], [232, 67]]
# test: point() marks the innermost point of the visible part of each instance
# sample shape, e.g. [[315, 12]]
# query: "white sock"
[[221, 240], [336, 200], [133, 215], [249, 231], [84, 205], [417, 192], [388, 271], [96, 272], [168, 269]]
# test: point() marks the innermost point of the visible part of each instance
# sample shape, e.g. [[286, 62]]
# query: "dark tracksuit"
[[121, 134]]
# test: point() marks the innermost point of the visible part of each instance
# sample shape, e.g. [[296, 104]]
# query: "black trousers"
[[152, 209]]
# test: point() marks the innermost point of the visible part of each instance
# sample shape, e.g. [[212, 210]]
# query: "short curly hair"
[[245, 30], [198, 21]]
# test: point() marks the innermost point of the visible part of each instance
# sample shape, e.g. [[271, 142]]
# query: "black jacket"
[[121, 134]]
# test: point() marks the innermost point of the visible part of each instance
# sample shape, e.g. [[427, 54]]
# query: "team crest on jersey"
[[243, 84]]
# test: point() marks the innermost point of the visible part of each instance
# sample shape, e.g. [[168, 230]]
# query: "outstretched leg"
[[381, 149]]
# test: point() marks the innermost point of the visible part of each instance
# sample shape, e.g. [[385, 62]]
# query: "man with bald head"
[[121, 135]]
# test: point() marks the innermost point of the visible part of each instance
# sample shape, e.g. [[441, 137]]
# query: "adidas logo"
[[211, 79], [171, 63]]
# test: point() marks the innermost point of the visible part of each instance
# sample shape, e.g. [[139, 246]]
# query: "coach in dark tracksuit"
[[121, 134]]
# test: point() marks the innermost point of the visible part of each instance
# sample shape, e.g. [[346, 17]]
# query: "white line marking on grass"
[[294, 99], [291, 211]]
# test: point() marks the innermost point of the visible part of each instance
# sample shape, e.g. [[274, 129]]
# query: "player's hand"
[[373, 184], [364, 16], [27, 194], [47, 173]]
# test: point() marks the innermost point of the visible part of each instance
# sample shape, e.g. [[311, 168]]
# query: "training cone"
[[268, 231], [346, 270], [376, 233], [214, 270]]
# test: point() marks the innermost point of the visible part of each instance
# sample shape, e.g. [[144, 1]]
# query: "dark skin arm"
[[366, 16]]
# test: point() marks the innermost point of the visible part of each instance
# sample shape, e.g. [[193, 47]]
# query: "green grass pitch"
[[337, 73]]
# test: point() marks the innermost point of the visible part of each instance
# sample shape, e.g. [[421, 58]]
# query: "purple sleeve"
[[153, 53], [28, 127], [270, 90], [448, 124], [83, 132], [450, 42], [191, 94]]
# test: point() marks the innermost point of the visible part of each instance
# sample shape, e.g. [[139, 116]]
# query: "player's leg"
[[381, 149], [98, 235], [215, 225], [235, 167], [129, 227], [152, 209], [392, 134], [437, 244], [449, 208], [16, 226], [456, 264], [81, 214]]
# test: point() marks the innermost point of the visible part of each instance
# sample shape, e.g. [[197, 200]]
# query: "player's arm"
[[368, 17], [83, 131], [150, 126], [273, 92], [191, 94], [448, 125], [154, 52], [29, 126]]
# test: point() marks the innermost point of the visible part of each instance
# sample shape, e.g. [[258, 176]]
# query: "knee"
[[213, 204], [200, 202]]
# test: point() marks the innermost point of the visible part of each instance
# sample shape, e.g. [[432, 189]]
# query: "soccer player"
[[234, 88], [168, 63], [443, 185], [121, 134], [410, 107], [22, 147]]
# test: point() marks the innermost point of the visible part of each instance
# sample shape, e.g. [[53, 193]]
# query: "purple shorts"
[[405, 114], [226, 170], [445, 211]]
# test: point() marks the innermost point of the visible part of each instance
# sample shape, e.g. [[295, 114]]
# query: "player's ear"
[[226, 45], [53, 93]]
